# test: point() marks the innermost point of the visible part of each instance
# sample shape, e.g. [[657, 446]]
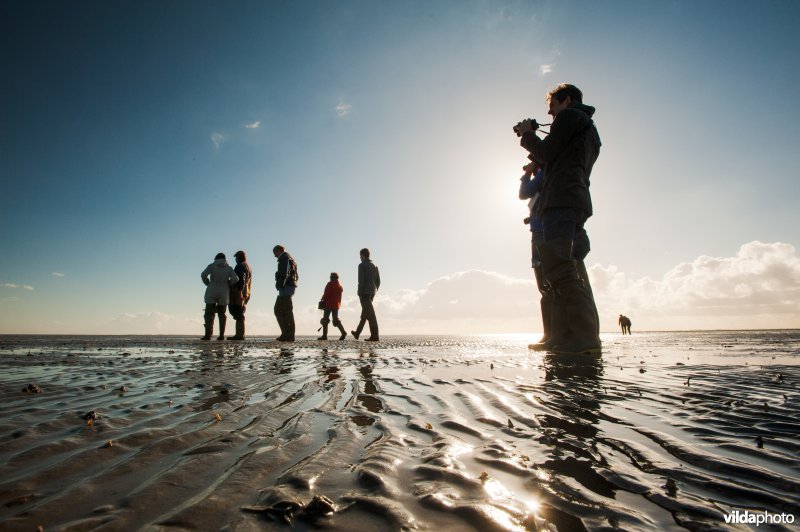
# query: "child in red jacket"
[[331, 301]]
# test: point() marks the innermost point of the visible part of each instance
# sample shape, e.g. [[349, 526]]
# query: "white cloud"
[[343, 109], [467, 302], [58, 274], [472, 293], [759, 287], [254, 125], [15, 286], [545, 69], [218, 139]]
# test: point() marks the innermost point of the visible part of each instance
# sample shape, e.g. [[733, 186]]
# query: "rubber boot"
[[573, 299], [341, 330], [584, 275], [559, 323], [546, 303], [223, 319], [324, 332], [373, 331], [279, 316], [546, 306], [289, 320], [239, 331], [208, 319], [582, 316], [360, 328]]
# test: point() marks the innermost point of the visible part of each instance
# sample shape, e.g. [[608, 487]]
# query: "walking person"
[[331, 302], [218, 278], [286, 283], [369, 280], [240, 293], [625, 324], [568, 154]]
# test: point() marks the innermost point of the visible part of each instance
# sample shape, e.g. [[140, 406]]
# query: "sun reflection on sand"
[[503, 519], [533, 505], [496, 490], [456, 449], [504, 512]]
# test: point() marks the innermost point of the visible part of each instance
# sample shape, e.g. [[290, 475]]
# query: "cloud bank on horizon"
[[757, 288]]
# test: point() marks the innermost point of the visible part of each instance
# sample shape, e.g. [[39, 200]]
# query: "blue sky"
[[139, 139]]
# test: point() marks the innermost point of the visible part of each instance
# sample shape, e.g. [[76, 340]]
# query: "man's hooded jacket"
[[568, 154]]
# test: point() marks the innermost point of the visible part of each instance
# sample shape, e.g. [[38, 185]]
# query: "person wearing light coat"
[[218, 278]]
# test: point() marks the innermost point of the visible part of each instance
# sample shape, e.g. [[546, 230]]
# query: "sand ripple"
[[667, 431]]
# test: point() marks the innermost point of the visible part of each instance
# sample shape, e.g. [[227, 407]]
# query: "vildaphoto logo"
[[758, 518]]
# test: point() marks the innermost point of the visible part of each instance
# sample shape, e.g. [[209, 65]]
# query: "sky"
[[139, 139]]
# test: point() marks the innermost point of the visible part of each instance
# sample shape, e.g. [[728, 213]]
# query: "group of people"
[[231, 287], [226, 286], [369, 280], [556, 183]]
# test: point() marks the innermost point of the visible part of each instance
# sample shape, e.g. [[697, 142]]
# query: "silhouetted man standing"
[[286, 282], [369, 280], [568, 154]]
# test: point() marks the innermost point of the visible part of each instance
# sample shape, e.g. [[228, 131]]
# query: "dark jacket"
[[568, 154], [240, 292], [369, 280], [287, 271]]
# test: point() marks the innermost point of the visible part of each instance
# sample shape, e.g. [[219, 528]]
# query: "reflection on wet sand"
[[448, 433], [577, 389]]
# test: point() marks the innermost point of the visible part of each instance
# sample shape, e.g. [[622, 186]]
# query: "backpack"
[[293, 270], [246, 290]]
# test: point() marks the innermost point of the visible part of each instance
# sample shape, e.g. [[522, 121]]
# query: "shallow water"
[[666, 431]]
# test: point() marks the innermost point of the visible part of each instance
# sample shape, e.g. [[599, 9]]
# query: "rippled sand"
[[666, 431]]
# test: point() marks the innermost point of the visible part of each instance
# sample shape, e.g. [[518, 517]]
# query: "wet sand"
[[666, 431]]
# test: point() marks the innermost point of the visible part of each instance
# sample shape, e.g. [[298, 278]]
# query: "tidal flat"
[[667, 430]]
